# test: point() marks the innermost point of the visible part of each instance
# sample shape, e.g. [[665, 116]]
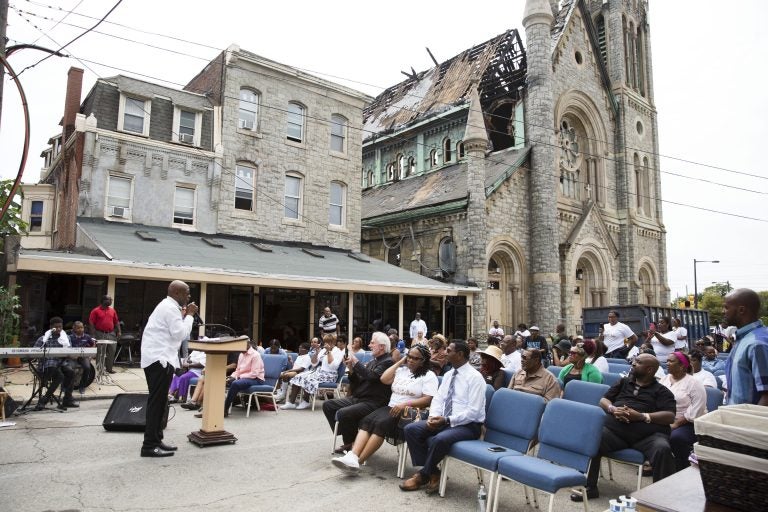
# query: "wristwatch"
[[647, 417], [448, 421]]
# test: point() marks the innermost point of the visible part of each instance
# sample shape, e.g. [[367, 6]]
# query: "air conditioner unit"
[[186, 138], [247, 124], [118, 211]]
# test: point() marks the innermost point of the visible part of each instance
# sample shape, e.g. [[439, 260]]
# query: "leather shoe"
[[591, 494], [71, 403], [111, 371], [168, 447], [62, 406], [341, 450], [190, 406], [414, 483], [155, 452], [433, 485]]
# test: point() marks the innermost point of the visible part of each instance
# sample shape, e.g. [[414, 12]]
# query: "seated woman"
[[303, 362], [595, 350], [413, 385], [578, 368], [438, 358], [180, 383], [706, 378], [560, 353], [491, 366], [357, 346], [691, 401], [327, 362], [474, 354]]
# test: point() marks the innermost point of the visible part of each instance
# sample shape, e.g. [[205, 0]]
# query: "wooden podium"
[[216, 350]]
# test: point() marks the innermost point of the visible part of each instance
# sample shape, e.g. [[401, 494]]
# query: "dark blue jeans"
[[429, 447], [681, 441], [239, 386]]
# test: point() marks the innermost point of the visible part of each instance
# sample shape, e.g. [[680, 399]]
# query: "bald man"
[[168, 325], [639, 411], [747, 367]]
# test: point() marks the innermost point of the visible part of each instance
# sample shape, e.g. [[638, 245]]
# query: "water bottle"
[[482, 498]]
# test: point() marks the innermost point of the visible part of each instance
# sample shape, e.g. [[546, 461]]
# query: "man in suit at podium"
[[168, 325]]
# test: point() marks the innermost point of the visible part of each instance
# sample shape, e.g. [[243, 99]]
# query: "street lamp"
[[695, 285]]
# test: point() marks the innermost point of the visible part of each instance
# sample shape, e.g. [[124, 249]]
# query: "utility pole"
[[3, 26]]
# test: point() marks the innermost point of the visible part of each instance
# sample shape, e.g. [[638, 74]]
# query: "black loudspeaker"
[[128, 413]]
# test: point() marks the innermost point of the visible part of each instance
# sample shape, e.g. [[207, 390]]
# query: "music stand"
[[216, 350], [102, 377]]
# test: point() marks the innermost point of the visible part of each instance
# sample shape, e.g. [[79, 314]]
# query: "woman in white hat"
[[492, 368]]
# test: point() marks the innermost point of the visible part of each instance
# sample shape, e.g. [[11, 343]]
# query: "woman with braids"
[[413, 385]]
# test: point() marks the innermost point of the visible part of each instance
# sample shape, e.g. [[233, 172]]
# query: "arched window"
[[647, 188], [338, 133], [640, 61], [460, 150], [245, 178], [639, 182], [295, 119], [400, 167], [293, 186], [248, 115], [411, 170], [446, 256], [447, 150], [390, 171], [433, 159], [370, 182]]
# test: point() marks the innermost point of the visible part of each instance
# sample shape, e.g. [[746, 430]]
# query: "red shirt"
[[104, 320]]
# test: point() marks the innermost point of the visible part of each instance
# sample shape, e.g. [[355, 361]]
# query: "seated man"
[[303, 362], [56, 370], [639, 411], [368, 393], [711, 362], [512, 355], [456, 414], [79, 338], [534, 378], [249, 372]]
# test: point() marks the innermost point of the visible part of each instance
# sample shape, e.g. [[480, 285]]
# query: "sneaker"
[[303, 405], [289, 405], [280, 395], [348, 462]]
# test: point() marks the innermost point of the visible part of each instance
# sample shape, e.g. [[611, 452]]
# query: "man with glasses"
[[368, 393], [534, 378], [456, 414], [639, 411]]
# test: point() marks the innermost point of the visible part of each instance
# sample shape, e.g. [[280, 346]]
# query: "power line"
[[75, 38], [608, 143], [66, 14]]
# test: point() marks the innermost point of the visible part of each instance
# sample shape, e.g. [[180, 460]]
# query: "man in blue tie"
[[456, 414]]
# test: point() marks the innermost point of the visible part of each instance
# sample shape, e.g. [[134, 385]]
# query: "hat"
[[579, 337], [564, 346], [492, 351], [533, 328]]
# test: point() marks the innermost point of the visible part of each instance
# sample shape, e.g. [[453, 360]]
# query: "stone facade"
[[577, 222]]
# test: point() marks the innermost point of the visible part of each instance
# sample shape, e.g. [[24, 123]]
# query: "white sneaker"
[[303, 405], [348, 462], [289, 405], [280, 395]]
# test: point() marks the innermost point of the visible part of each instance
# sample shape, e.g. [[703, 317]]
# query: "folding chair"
[[588, 393], [511, 423], [273, 366], [324, 387], [569, 436]]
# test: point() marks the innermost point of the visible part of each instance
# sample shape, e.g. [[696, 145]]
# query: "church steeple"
[[475, 135]]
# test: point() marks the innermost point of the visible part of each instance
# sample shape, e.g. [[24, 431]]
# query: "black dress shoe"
[[62, 406], [71, 403], [592, 494], [168, 447], [155, 452], [111, 371], [341, 450]]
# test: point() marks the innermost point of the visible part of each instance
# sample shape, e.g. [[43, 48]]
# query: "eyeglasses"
[[412, 358]]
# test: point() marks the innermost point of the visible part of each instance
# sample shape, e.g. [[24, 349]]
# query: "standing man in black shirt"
[[639, 412], [367, 391]]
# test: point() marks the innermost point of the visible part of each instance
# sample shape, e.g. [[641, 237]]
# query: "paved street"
[[68, 462]]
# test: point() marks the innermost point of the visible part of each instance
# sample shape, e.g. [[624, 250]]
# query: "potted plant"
[[9, 322]]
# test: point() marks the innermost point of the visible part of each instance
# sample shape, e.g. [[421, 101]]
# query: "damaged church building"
[[529, 172]]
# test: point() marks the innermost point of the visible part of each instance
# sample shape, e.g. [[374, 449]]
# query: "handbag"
[[411, 414]]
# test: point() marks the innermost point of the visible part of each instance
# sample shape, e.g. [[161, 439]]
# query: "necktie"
[[449, 397]]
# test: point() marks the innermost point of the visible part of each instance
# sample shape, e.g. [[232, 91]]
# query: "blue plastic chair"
[[554, 370], [588, 393], [714, 398], [619, 367], [628, 456], [511, 423], [616, 360], [569, 436], [611, 378], [273, 366], [508, 376], [488, 396]]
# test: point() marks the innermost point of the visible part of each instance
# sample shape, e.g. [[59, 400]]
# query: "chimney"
[[72, 101]]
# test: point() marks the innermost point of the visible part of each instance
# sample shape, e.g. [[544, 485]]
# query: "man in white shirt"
[[418, 325], [522, 331], [614, 333], [512, 355], [681, 334], [496, 331], [168, 325], [456, 414]]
